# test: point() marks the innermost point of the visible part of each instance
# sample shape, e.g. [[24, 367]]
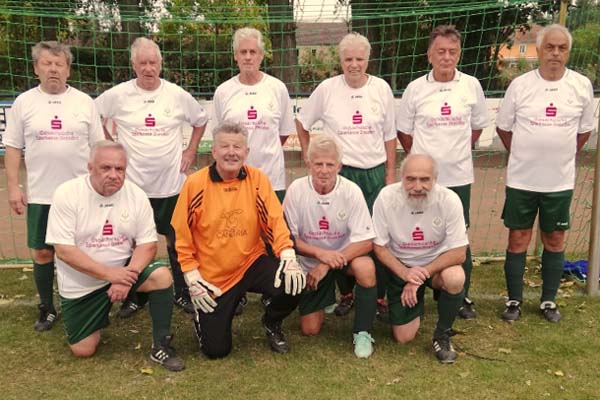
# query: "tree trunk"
[[282, 32]]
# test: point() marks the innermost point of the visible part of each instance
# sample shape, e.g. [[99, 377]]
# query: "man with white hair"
[[149, 113], [546, 117], [57, 124], [422, 239], [333, 231], [357, 109]]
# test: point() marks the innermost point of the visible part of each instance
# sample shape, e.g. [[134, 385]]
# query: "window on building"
[[522, 49]]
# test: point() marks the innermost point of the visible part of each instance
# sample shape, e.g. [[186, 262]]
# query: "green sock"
[[552, 270], [448, 306], [365, 301], [382, 277], [468, 267], [514, 269], [161, 310], [43, 275]]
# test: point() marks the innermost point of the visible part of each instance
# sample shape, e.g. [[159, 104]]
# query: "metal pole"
[[562, 16], [594, 252]]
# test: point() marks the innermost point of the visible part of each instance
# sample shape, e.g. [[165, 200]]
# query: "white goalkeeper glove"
[[201, 290], [291, 272]]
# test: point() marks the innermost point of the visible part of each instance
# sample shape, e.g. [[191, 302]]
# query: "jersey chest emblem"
[[342, 215], [437, 222], [124, 217], [167, 112]]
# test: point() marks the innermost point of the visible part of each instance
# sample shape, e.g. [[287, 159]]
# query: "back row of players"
[[544, 119]]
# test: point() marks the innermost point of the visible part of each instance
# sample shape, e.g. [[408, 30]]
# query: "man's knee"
[[159, 279], [453, 279], [311, 324], [363, 270], [43, 256], [554, 241], [216, 351], [518, 240], [406, 333], [86, 347]]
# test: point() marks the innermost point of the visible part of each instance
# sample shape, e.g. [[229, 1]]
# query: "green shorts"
[[399, 314], [464, 193], [370, 181], [521, 208], [88, 314], [280, 195], [37, 222], [163, 211], [316, 300]]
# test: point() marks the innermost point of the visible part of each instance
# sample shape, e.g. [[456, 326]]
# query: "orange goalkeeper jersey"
[[219, 226]]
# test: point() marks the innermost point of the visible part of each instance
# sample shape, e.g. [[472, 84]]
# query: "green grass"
[[530, 359]]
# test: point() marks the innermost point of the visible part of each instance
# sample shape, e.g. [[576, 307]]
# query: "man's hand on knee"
[[202, 292]]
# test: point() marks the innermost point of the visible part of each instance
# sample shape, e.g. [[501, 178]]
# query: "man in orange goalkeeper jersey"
[[223, 214]]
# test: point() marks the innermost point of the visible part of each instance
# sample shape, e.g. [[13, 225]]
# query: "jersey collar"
[[215, 177], [456, 77]]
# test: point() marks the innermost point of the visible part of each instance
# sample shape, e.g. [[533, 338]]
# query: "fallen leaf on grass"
[[532, 284], [393, 382], [27, 269], [147, 371], [504, 351], [371, 380], [134, 331], [528, 382], [566, 284], [559, 373], [18, 296], [463, 374], [23, 278], [5, 301], [138, 346]]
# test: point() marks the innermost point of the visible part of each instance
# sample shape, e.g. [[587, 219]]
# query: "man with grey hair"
[[102, 228], [57, 124], [546, 117], [333, 231], [357, 109], [443, 114], [422, 239], [149, 114], [225, 214]]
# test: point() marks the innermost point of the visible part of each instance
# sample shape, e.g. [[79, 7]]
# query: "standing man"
[[443, 114], [104, 235], [223, 217], [261, 103], [422, 239], [57, 124], [546, 117], [330, 221], [357, 110], [149, 113]]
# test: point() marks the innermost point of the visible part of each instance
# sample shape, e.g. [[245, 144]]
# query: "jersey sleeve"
[[588, 121], [405, 112], [389, 121], [479, 113], [382, 234], [146, 229], [312, 108], [14, 135], [359, 220], [107, 103], [286, 125], [270, 215], [505, 118], [291, 207], [456, 229], [96, 132], [195, 113], [182, 220], [62, 217], [218, 104]]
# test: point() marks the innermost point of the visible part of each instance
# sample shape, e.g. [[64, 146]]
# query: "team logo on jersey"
[[56, 123], [150, 121], [124, 216], [323, 224], [342, 215], [107, 229], [446, 109], [418, 234], [374, 108], [357, 118], [75, 115], [271, 106], [437, 222], [551, 110], [167, 112], [252, 113], [233, 226]]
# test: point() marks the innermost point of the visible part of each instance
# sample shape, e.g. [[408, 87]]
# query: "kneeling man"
[[421, 238], [329, 218], [102, 229]]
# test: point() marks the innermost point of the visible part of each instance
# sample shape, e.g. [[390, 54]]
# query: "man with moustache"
[[421, 238]]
